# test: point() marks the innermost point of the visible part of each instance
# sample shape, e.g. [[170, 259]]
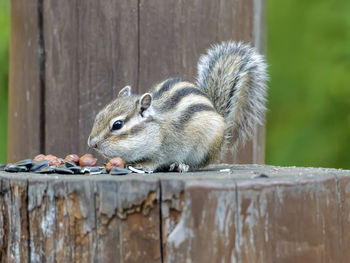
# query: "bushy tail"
[[234, 77]]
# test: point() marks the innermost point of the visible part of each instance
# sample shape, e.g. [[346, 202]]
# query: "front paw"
[[179, 167]]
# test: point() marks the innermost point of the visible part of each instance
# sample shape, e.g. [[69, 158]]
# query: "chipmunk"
[[179, 125]]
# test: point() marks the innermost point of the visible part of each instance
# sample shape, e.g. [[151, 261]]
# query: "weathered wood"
[[13, 221], [206, 230], [343, 224], [24, 127], [298, 215], [60, 220], [94, 48], [293, 222], [91, 52], [295, 215], [177, 33]]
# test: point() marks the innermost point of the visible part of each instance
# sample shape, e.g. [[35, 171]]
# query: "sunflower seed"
[[27, 162], [63, 170], [119, 171], [13, 168], [69, 164], [37, 166], [76, 169], [47, 170]]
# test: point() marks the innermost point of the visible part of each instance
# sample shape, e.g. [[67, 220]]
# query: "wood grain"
[[296, 215], [24, 120], [14, 229], [288, 222], [293, 215], [174, 34], [99, 220], [91, 49], [206, 229]]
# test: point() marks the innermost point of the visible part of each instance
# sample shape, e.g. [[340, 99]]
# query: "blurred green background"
[[308, 122], [4, 54]]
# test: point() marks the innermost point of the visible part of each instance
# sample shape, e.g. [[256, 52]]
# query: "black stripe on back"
[[189, 112], [166, 86], [178, 96]]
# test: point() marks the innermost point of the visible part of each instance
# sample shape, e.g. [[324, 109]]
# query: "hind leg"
[[179, 167]]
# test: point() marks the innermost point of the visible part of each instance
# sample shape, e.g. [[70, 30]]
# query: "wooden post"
[[69, 58], [293, 215], [25, 97]]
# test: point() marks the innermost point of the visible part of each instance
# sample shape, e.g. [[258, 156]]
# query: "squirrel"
[[179, 125]]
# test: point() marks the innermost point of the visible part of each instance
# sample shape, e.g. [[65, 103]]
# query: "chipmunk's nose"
[[92, 143]]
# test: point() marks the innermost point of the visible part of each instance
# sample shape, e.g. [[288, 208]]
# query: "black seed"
[[47, 170], [2, 166], [262, 176], [84, 170], [63, 170], [101, 170], [23, 168], [119, 171], [104, 171], [93, 169], [69, 164], [27, 162], [13, 168], [76, 169], [37, 166]]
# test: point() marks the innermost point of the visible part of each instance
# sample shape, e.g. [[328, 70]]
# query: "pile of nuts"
[[71, 164]]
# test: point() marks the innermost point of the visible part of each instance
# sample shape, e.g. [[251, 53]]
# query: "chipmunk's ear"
[[126, 91], [145, 103]]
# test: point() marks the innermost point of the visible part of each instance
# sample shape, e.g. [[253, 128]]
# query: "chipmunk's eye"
[[117, 125]]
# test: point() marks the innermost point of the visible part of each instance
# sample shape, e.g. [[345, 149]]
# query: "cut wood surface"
[[69, 58], [233, 215]]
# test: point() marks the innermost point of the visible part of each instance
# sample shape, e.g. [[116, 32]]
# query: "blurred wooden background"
[[69, 58]]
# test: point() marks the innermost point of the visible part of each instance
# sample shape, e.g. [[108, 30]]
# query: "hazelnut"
[[39, 158], [53, 160], [87, 160], [73, 158], [115, 162]]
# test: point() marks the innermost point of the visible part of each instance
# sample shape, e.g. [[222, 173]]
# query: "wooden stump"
[[236, 215]]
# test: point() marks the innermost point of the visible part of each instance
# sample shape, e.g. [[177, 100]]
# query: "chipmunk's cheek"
[[108, 149], [103, 147]]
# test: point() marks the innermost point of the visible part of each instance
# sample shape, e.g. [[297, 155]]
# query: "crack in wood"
[[161, 244], [340, 217], [28, 222], [238, 225], [42, 73]]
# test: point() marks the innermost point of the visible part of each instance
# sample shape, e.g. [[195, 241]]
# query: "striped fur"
[[180, 118], [234, 77], [179, 122]]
